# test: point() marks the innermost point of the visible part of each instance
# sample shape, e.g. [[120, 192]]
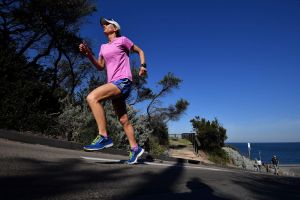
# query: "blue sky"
[[239, 60]]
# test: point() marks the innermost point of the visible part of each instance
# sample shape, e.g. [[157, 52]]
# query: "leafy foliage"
[[218, 156], [77, 123], [211, 135], [158, 116], [39, 42], [25, 99]]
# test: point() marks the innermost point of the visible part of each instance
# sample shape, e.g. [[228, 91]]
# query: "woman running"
[[114, 56]]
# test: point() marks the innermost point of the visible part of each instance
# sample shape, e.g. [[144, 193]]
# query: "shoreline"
[[243, 162], [287, 152], [289, 165]]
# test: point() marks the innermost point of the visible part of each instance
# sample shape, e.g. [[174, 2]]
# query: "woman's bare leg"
[[120, 109], [101, 93]]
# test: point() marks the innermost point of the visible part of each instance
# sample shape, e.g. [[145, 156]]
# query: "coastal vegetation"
[[212, 136], [44, 79]]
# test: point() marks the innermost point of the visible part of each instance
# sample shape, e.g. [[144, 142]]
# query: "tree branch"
[[54, 84], [43, 54], [72, 72], [153, 100], [34, 38]]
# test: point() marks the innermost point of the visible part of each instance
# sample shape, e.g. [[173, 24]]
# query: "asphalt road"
[[31, 171]]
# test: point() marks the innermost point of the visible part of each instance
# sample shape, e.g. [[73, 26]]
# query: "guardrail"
[[193, 139], [176, 136]]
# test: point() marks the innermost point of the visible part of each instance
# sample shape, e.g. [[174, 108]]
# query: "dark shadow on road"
[[76, 179], [271, 187], [73, 178], [44, 180], [165, 185]]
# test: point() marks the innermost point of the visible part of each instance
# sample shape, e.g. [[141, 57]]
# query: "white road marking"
[[156, 164], [99, 159]]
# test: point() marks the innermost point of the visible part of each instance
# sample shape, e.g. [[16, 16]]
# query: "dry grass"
[[178, 143]]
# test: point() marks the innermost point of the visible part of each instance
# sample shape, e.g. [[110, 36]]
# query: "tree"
[[158, 116], [39, 58], [141, 93], [168, 83], [47, 31], [211, 135]]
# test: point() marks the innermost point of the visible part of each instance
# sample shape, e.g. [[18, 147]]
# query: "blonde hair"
[[118, 33]]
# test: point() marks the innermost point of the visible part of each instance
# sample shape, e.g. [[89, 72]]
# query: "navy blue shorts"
[[125, 87]]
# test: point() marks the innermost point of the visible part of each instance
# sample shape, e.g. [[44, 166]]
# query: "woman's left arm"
[[138, 50]]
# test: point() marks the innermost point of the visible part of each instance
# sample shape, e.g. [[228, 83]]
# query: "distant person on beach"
[[275, 163], [266, 165], [255, 165], [259, 165], [114, 57]]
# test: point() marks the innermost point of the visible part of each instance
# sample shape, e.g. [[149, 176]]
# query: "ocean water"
[[287, 153]]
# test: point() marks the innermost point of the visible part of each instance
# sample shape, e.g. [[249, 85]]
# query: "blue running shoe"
[[134, 155], [99, 143]]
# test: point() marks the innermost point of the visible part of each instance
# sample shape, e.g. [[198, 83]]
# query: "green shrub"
[[218, 156], [211, 135], [77, 123], [155, 148]]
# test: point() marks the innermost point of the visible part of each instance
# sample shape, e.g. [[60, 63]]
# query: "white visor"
[[109, 21]]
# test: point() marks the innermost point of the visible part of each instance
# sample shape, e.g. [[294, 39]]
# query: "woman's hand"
[[84, 49], [143, 71]]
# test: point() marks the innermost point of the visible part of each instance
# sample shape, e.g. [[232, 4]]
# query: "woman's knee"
[[124, 120], [98, 94], [91, 98]]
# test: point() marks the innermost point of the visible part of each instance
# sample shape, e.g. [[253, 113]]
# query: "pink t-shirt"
[[116, 57]]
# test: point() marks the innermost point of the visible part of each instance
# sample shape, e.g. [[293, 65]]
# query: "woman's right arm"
[[100, 63]]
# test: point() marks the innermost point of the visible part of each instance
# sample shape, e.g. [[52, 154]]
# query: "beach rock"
[[239, 160]]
